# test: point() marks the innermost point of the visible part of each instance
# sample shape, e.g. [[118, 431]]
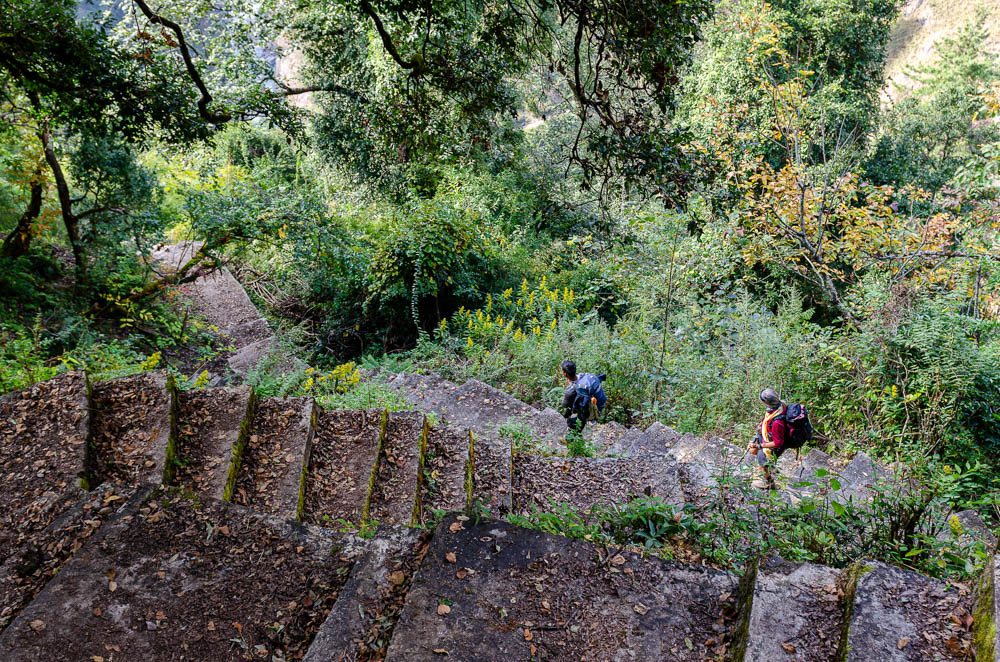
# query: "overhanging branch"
[[206, 97]]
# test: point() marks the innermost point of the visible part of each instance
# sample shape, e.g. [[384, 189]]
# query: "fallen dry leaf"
[[617, 559], [450, 556], [440, 651], [38, 625], [112, 586], [462, 573], [443, 609], [902, 643], [640, 609], [788, 648], [211, 626], [527, 635], [455, 527]]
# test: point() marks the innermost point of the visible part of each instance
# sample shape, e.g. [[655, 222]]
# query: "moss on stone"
[[984, 628]]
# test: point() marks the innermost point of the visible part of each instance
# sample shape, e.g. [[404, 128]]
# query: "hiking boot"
[[762, 484]]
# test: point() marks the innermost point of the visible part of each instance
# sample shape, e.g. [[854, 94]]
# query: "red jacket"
[[777, 430]]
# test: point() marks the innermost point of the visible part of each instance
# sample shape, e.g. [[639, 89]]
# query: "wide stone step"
[[360, 623], [427, 392], [797, 613], [483, 409], [267, 468], [902, 616], [493, 591], [173, 578], [40, 558], [134, 429], [395, 496], [657, 439], [43, 445], [211, 422], [582, 483], [342, 467], [447, 471]]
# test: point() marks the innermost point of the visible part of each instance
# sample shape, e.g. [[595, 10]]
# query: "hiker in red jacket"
[[769, 443]]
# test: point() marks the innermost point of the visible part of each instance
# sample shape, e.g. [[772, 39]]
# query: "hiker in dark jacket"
[[576, 411], [769, 443]]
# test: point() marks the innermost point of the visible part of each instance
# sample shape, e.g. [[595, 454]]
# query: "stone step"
[[427, 392], [583, 482], [483, 409], [657, 439], [210, 424], [361, 622], [395, 495], [686, 447], [43, 448], [987, 615], [605, 435], [266, 470], [902, 616], [342, 467], [174, 578], [624, 443], [859, 478], [491, 473], [40, 558], [797, 613], [134, 429], [489, 590], [246, 333], [447, 471]]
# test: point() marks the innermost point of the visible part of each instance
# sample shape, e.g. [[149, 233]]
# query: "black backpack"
[[800, 430]]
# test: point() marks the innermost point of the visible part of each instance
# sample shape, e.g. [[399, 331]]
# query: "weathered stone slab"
[[858, 478], [268, 470], [901, 616], [797, 613], [427, 392], [174, 577], [495, 592], [483, 409], [43, 445], [29, 569], [583, 482], [247, 333], [133, 428], [657, 439], [338, 483], [686, 447], [361, 621], [397, 482], [547, 425], [491, 473], [210, 422], [447, 471], [621, 446], [604, 436]]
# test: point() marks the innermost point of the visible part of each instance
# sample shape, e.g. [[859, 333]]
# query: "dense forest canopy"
[[698, 198]]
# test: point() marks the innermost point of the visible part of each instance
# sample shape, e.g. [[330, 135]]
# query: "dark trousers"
[[577, 423]]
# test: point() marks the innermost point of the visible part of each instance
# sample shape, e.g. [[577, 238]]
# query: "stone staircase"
[[141, 522]]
